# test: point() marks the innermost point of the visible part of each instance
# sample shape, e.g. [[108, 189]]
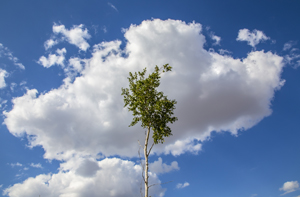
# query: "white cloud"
[[104, 29], [12, 86], [217, 39], [180, 185], [214, 93], [16, 164], [289, 45], [50, 43], [53, 59], [159, 167], [85, 177], [253, 38], [3, 75], [4, 51], [76, 36], [182, 146], [293, 57], [37, 165], [289, 186], [112, 6]]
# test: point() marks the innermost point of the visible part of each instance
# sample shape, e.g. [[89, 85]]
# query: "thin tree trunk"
[[146, 162]]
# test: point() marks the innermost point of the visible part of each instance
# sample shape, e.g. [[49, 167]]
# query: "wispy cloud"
[[77, 35], [159, 167], [4, 51], [182, 185], [289, 186], [112, 6], [16, 164], [37, 165], [253, 38], [289, 45], [53, 59]]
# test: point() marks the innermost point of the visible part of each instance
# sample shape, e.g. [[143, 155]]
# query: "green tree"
[[151, 108]]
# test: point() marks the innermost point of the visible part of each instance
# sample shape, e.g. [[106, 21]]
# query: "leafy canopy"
[[149, 106]]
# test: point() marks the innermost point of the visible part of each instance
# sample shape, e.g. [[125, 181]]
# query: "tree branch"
[[160, 183], [150, 149]]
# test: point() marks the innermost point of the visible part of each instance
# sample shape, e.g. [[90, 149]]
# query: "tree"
[[151, 108]]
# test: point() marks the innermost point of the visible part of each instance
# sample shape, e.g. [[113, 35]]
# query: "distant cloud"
[[104, 29], [37, 165], [289, 45], [16, 164], [217, 39], [253, 38], [180, 185], [112, 6], [53, 59], [293, 56], [182, 146], [159, 167], [289, 186], [4, 51], [224, 52], [3, 75], [50, 43], [77, 36]]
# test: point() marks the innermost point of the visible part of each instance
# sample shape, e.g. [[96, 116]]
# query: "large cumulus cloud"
[[87, 177], [214, 93]]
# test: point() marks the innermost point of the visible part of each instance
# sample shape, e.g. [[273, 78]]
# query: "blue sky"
[[235, 77]]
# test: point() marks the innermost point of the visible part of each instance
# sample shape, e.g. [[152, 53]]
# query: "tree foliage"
[[152, 108]]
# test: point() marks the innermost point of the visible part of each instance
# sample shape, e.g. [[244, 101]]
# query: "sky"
[[235, 78]]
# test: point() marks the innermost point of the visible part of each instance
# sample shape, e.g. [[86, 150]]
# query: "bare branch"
[[150, 149], [140, 144], [160, 183]]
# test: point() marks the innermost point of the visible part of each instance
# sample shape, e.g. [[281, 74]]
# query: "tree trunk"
[[146, 162]]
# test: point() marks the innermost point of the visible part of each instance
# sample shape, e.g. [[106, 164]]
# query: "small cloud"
[[104, 29], [76, 36], [38, 165], [4, 51], [217, 39], [159, 167], [50, 43], [23, 83], [182, 146], [112, 6], [289, 45], [289, 186], [253, 195], [12, 86], [180, 185], [16, 164], [224, 52], [53, 59], [3, 75], [25, 168], [253, 38]]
